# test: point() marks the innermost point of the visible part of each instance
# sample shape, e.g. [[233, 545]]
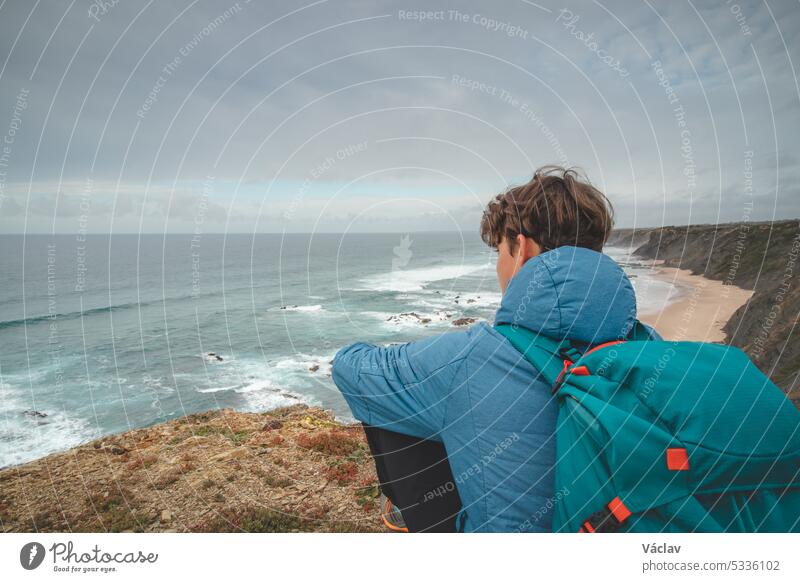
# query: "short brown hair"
[[555, 208]]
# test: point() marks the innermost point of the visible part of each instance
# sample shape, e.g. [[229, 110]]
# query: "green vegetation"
[[114, 512], [256, 520]]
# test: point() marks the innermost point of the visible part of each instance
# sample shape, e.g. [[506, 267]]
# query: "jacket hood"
[[571, 292]]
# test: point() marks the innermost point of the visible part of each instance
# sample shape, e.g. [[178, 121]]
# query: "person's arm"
[[402, 388]]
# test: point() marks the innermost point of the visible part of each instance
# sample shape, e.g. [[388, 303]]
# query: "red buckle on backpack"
[[561, 376], [619, 510], [677, 459], [579, 370], [607, 519]]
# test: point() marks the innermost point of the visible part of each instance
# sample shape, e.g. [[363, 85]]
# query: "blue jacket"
[[474, 392]]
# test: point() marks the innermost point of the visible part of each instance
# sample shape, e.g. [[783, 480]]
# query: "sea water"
[[105, 333]]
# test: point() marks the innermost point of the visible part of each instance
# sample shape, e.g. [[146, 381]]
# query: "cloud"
[[148, 100]]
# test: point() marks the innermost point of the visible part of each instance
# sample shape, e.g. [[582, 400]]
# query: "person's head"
[[555, 208]]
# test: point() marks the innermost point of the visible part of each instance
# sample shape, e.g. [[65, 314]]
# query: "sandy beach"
[[697, 309]]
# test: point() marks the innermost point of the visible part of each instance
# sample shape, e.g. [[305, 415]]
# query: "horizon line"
[[423, 231]]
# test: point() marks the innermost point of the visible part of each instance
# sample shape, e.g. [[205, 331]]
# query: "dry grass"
[[334, 442]]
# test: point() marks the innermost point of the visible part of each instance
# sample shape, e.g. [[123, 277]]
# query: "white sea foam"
[[652, 293], [24, 437], [405, 280], [257, 386], [414, 318], [301, 308], [261, 400], [157, 384], [217, 389], [213, 358], [259, 394], [270, 385], [482, 300], [264, 385], [306, 363]]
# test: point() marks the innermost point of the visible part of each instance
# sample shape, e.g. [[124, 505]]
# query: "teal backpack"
[[667, 436]]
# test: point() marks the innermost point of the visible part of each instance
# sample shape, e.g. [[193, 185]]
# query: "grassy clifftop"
[[759, 256], [293, 469]]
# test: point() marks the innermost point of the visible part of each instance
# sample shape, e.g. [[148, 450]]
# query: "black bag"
[[415, 475]]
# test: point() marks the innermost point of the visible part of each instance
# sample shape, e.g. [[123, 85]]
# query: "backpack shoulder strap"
[[544, 353], [547, 354]]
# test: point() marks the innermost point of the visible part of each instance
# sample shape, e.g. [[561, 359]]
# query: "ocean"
[[106, 333]]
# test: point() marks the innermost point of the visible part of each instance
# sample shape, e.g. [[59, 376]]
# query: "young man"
[[472, 391]]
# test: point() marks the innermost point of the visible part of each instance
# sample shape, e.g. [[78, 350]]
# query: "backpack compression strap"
[[554, 357]]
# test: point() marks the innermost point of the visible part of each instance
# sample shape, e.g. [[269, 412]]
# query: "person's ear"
[[521, 248], [527, 248]]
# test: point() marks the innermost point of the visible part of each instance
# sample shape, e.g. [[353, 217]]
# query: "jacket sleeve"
[[403, 388]]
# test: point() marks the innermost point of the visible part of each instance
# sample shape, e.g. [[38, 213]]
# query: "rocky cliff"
[[760, 256]]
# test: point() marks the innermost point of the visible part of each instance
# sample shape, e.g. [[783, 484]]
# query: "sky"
[[386, 116]]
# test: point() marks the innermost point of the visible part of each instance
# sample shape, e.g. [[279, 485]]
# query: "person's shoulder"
[[451, 346]]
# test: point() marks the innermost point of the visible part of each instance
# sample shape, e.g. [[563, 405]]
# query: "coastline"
[[289, 470], [758, 255], [701, 309]]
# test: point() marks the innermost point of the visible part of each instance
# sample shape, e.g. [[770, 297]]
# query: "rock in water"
[[35, 413]]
